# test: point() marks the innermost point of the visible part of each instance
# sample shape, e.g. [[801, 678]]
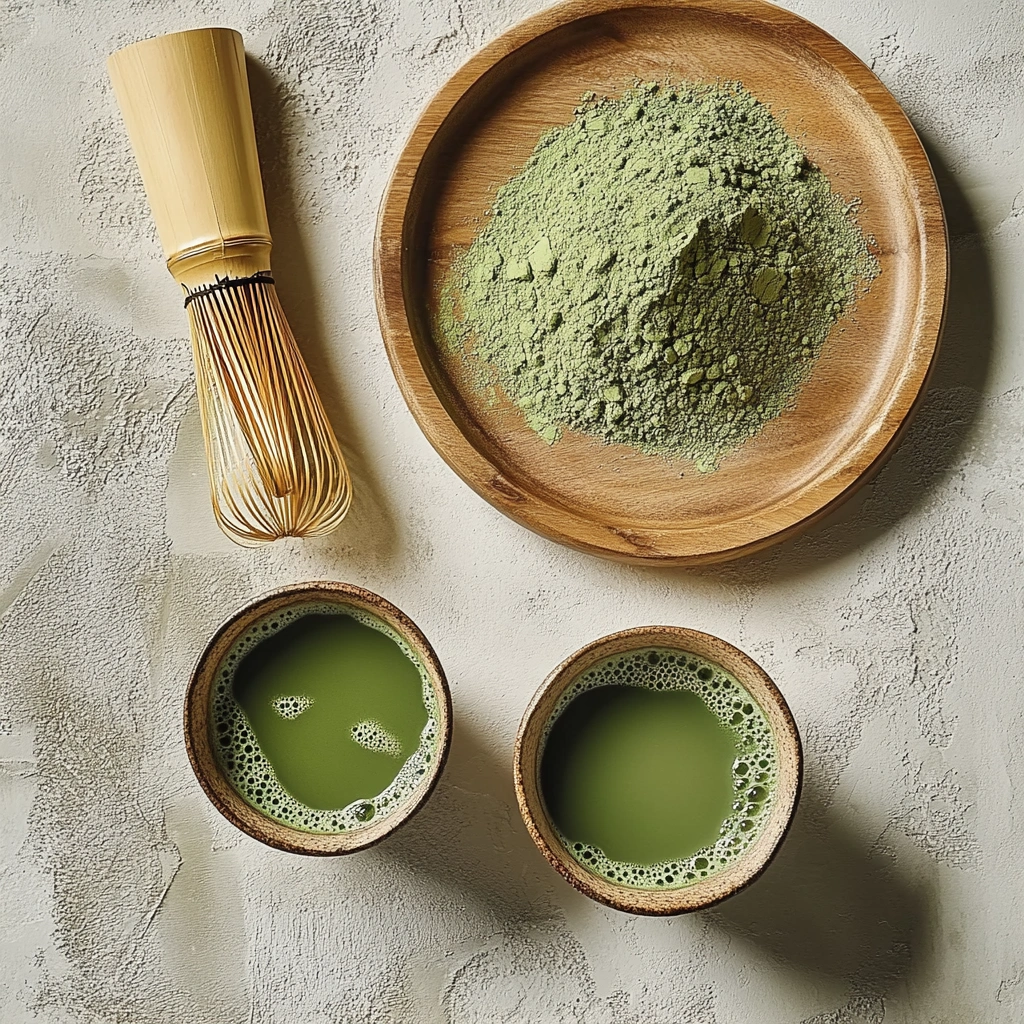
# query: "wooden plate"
[[611, 500]]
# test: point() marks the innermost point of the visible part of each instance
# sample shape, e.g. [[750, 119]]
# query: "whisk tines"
[[276, 468]]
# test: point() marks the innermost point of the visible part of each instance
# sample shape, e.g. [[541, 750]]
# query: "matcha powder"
[[662, 273]]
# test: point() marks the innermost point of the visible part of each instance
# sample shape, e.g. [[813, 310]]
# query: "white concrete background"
[[895, 629]]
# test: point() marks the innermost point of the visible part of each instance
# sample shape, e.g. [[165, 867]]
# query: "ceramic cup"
[[772, 828], [199, 739]]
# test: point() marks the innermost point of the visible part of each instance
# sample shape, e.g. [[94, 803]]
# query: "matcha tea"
[[657, 767], [662, 272], [323, 717]]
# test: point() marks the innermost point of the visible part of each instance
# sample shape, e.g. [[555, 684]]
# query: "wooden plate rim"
[[670, 545]]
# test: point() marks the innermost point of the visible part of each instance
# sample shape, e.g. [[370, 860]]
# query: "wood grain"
[[708, 891], [611, 500], [199, 740]]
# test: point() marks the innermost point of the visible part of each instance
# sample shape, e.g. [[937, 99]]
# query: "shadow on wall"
[[470, 838], [828, 905], [935, 440], [369, 529]]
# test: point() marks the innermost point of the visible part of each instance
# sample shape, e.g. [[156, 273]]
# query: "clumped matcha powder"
[[662, 273]]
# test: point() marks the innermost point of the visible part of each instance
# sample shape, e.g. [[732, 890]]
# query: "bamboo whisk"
[[276, 469]]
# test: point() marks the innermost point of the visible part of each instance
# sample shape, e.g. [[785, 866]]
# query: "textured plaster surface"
[[895, 628]]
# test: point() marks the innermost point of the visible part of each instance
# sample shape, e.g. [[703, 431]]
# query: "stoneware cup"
[[704, 892], [199, 739]]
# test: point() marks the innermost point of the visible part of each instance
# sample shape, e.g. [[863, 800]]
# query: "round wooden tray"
[[611, 500]]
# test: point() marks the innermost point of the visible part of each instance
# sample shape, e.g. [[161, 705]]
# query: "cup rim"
[[719, 886], [198, 742]]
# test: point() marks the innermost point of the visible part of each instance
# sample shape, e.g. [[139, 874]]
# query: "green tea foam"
[[739, 745], [250, 770]]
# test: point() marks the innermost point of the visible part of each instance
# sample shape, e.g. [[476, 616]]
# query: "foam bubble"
[[252, 775], [371, 735], [754, 771], [291, 707]]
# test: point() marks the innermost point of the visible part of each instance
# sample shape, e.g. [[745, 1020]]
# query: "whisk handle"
[[185, 101]]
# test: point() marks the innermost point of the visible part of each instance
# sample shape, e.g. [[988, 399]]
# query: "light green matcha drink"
[[656, 769], [323, 717]]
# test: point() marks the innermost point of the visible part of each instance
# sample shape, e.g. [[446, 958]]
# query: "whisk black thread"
[[220, 283]]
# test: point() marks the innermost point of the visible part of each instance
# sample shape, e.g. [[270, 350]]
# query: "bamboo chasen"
[[276, 468]]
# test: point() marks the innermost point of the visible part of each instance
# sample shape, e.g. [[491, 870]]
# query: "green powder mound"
[[662, 273]]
